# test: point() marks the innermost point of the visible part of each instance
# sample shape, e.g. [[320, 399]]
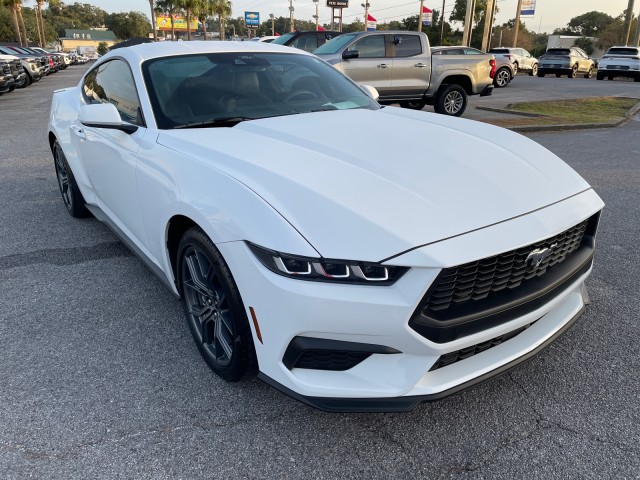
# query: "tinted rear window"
[[499, 50], [559, 51], [623, 51]]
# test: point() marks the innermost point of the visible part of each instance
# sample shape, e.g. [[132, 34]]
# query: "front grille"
[[464, 353], [476, 280], [328, 360], [478, 295]]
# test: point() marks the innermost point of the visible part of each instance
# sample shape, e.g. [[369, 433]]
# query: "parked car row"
[[22, 66]]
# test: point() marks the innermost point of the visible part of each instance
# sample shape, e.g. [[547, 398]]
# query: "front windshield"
[[335, 44], [209, 88], [282, 39]]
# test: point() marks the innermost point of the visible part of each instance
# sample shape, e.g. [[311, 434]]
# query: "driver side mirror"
[[104, 115], [349, 54]]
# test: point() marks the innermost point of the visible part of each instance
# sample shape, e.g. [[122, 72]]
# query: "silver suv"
[[520, 59], [566, 61]]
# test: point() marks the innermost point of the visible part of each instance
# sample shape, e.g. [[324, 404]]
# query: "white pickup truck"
[[400, 66]]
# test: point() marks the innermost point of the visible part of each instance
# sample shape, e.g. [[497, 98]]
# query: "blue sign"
[[252, 19]]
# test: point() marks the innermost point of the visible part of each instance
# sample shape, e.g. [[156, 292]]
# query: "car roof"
[[148, 51]]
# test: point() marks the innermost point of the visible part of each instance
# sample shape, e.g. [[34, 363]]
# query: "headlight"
[[327, 270]]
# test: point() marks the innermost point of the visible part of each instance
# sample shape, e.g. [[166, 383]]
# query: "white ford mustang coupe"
[[357, 258]]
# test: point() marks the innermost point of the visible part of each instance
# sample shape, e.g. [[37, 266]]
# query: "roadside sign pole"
[[488, 23], [442, 23], [515, 34], [627, 22], [636, 39], [420, 16]]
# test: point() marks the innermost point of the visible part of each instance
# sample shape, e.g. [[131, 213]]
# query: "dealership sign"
[[528, 7], [427, 16], [338, 3], [252, 19]]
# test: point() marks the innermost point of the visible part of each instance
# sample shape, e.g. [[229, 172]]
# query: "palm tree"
[[153, 20], [222, 8], [39, 7], [205, 9], [189, 6], [170, 7], [11, 4]]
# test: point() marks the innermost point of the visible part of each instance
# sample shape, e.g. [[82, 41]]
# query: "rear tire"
[[502, 77], [451, 100], [534, 70], [589, 74], [71, 196], [213, 308], [574, 72]]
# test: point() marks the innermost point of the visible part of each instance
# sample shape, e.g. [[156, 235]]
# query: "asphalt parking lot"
[[99, 376]]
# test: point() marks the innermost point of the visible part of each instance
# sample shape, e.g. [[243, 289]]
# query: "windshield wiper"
[[215, 122]]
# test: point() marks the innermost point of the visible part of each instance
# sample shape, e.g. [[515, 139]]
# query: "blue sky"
[[549, 13]]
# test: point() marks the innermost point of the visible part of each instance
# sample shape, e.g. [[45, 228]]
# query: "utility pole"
[[488, 23], [316, 16], [420, 16], [292, 20], [627, 22], [468, 23], [442, 23], [366, 6], [515, 33], [636, 39], [273, 24]]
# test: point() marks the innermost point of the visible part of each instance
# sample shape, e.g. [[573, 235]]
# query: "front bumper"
[[399, 373]]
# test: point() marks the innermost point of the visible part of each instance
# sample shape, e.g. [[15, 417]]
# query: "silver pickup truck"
[[400, 66]]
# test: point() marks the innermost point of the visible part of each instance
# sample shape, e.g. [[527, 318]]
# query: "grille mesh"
[[330, 360], [477, 280], [458, 355]]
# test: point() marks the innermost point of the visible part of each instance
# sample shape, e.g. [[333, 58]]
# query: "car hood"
[[367, 185]]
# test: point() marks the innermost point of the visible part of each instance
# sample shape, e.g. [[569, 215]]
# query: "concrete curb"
[[565, 126]]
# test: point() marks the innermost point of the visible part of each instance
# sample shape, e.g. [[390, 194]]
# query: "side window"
[[308, 43], [112, 82], [371, 46], [472, 51], [454, 51], [407, 45]]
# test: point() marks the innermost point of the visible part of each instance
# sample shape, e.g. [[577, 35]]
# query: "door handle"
[[420, 65], [383, 65], [79, 132]]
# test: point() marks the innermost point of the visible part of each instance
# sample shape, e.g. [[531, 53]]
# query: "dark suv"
[[307, 41]]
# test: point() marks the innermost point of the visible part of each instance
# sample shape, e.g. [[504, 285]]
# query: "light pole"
[[515, 35], [316, 15], [366, 14], [273, 24], [292, 20], [420, 15]]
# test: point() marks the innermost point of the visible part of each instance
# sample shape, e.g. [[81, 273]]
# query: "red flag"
[[320, 29], [371, 19], [426, 10], [277, 34]]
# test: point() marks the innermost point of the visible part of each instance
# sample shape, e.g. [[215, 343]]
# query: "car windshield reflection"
[[223, 89]]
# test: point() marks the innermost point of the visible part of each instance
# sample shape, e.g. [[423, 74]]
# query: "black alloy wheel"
[[27, 81], [213, 308], [71, 196]]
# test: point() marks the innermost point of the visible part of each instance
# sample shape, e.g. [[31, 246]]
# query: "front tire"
[[71, 195], [415, 105], [452, 100], [534, 70], [589, 74], [213, 308], [599, 76]]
